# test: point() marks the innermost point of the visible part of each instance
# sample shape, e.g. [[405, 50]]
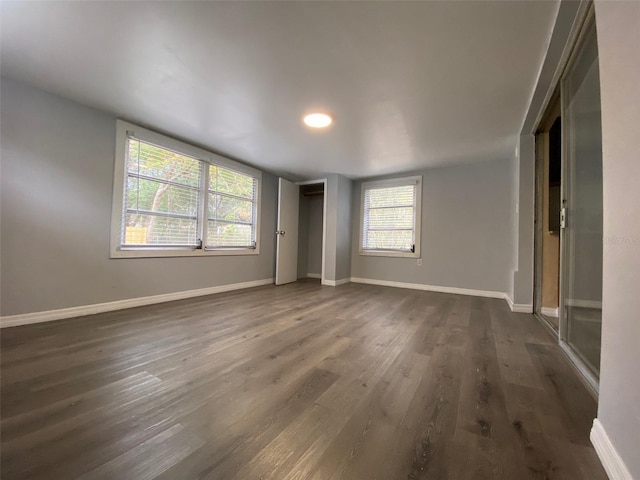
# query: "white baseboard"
[[335, 283], [47, 316], [518, 307], [549, 312], [430, 288], [611, 461], [314, 275]]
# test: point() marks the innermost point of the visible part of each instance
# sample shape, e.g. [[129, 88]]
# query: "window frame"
[[123, 131], [389, 183]]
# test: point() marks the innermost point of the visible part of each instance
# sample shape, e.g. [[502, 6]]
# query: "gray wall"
[[314, 235], [618, 25], [344, 230], [338, 249], [332, 227], [57, 175], [467, 231], [523, 273]]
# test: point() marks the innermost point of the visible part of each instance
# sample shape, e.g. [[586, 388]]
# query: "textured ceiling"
[[410, 85]]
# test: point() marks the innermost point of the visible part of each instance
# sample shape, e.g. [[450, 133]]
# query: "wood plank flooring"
[[295, 382]]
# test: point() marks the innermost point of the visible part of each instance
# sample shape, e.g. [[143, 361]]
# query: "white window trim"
[[116, 249], [394, 182]]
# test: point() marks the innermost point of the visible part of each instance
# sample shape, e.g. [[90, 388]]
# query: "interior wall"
[[56, 192], [338, 248], [343, 238], [466, 230], [619, 404]]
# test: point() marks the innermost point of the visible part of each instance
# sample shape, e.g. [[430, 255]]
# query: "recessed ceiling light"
[[318, 120]]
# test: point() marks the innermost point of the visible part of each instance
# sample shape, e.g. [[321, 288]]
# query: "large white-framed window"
[[174, 199], [390, 217]]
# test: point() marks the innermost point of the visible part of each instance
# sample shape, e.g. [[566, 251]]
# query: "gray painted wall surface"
[[523, 274], [618, 26], [344, 229], [314, 235], [332, 227], [57, 175], [338, 249], [466, 231]]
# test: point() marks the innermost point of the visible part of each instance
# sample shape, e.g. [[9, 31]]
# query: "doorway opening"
[[548, 199], [311, 231]]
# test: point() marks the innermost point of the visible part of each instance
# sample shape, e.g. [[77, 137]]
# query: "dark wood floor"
[[295, 382]]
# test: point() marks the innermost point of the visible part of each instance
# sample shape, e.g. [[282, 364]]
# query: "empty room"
[[324, 240]]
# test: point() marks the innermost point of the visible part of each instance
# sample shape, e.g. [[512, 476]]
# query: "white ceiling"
[[410, 85]]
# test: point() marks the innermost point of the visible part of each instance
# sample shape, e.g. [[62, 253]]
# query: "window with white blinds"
[[390, 223], [176, 199], [162, 195], [232, 209]]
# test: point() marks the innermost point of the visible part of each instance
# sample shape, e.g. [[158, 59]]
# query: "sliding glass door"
[[581, 214]]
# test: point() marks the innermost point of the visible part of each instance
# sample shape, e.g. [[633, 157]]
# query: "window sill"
[[179, 252], [382, 253]]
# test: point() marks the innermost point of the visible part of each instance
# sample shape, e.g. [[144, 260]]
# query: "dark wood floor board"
[[355, 450], [231, 448], [516, 365], [150, 458], [87, 403], [571, 401], [481, 409], [429, 424], [300, 381], [260, 372]]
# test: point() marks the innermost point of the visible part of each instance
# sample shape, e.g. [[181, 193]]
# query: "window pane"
[[231, 198], [161, 197], [155, 230], [390, 197], [229, 235], [230, 209], [227, 181], [151, 161], [389, 239], [390, 218]]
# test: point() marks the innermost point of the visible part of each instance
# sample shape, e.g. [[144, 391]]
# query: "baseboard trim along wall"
[[47, 316], [50, 315], [314, 275], [518, 307], [431, 288], [611, 461], [549, 312], [335, 283]]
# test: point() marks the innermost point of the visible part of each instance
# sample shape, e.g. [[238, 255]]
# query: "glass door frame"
[[563, 332], [582, 30]]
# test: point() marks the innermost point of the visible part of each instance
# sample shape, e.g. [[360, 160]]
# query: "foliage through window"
[[390, 217], [173, 200]]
